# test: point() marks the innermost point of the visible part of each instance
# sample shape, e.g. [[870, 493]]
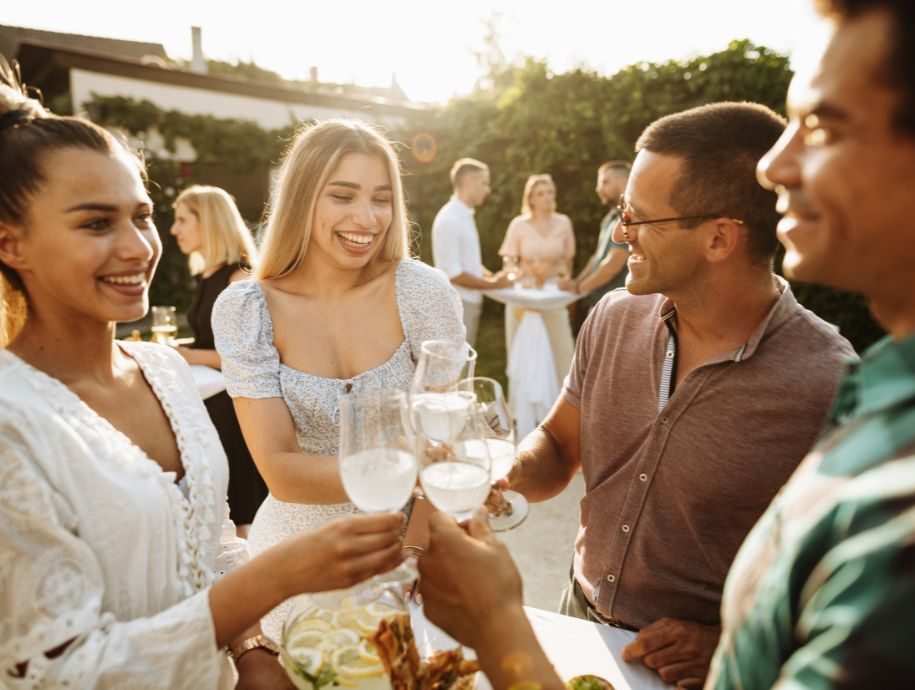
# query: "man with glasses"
[[693, 394]]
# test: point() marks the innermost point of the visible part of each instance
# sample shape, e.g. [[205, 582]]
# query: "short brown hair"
[[464, 167], [896, 71], [720, 145], [618, 167]]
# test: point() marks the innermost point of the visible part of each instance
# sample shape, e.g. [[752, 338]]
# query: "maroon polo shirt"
[[671, 494]]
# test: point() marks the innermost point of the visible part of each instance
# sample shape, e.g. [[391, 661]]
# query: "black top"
[[198, 314]]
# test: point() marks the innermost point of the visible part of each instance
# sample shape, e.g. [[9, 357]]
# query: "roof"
[[12, 36], [45, 66]]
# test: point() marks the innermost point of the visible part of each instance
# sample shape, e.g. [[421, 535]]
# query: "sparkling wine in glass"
[[501, 439], [377, 463], [455, 475], [377, 460], [438, 409]]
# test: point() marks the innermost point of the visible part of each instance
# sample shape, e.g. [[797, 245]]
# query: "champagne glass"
[[377, 463], [164, 324], [455, 475], [501, 440], [438, 409]]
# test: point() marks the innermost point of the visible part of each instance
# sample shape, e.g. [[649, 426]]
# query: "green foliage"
[[526, 120], [534, 121]]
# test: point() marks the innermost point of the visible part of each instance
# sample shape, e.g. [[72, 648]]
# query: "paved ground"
[[542, 546]]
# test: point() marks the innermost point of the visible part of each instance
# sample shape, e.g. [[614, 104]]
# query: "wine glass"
[[377, 462], [164, 324], [438, 409], [501, 439], [455, 474]]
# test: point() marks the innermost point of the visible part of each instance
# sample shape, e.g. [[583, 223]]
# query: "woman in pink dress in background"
[[540, 242]]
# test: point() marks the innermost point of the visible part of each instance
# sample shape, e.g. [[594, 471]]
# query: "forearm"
[[300, 478], [243, 596], [606, 271], [468, 281], [541, 471], [208, 358], [511, 657]]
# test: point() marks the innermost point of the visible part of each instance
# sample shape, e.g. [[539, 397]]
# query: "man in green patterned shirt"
[[822, 593]]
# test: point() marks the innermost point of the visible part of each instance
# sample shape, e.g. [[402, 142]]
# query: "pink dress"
[[553, 251]]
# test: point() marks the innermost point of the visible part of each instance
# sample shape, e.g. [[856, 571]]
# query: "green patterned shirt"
[[821, 595]]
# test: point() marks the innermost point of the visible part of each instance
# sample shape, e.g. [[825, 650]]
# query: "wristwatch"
[[256, 642]]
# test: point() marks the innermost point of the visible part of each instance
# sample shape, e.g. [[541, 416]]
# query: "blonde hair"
[[315, 153], [224, 237], [29, 134], [529, 186]]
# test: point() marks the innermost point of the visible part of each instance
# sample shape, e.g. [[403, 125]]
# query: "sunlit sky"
[[428, 44]]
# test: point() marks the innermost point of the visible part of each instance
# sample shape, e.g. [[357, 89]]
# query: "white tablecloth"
[[575, 647], [532, 376], [209, 381]]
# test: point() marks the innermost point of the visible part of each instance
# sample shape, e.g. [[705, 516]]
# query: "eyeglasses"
[[626, 217]]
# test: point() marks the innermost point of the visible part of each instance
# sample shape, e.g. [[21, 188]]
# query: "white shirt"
[[456, 246], [100, 546]]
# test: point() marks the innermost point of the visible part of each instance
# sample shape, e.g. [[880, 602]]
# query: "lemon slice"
[[378, 610], [309, 637], [309, 659], [367, 652], [358, 619], [309, 624], [348, 664], [341, 637]]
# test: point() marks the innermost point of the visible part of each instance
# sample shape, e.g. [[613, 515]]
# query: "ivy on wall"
[[237, 146]]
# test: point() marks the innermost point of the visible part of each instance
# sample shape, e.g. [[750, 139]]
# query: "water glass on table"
[[164, 324]]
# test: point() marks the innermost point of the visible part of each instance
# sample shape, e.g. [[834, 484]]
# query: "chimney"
[[313, 72], [198, 62]]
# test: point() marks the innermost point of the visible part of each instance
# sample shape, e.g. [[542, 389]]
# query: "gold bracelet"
[[417, 550], [252, 643]]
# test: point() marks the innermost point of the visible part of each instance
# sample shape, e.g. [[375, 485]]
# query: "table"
[[532, 376], [209, 381], [575, 647]]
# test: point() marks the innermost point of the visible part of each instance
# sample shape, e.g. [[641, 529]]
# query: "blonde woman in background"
[[541, 245], [336, 306], [119, 565], [209, 228]]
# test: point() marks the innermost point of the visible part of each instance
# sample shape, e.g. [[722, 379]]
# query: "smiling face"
[[352, 213], [665, 258], [87, 247], [186, 229], [843, 173]]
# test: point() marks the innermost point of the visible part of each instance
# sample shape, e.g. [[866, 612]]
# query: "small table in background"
[[209, 381], [532, 376]]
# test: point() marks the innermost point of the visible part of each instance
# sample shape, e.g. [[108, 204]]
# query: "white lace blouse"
[[100, 546]]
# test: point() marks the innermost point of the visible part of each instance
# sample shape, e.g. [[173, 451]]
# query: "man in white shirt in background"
[[456, 241]]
